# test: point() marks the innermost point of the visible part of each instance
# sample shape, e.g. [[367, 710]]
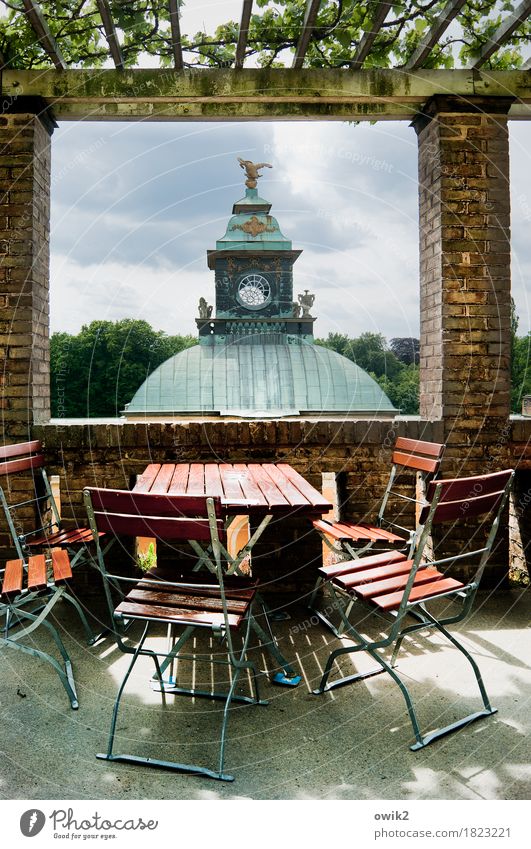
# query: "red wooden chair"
[[394, 586], [34, 523], [27, 599], [193, 601], [413, 462]]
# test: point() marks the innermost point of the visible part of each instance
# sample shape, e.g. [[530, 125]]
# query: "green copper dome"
[[256, 380]]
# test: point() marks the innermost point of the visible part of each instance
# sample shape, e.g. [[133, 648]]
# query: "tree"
[[406, 349], [144, 28], [369, 351], [97, 371]]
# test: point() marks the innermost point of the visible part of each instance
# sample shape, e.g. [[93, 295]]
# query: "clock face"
[[253, 292]]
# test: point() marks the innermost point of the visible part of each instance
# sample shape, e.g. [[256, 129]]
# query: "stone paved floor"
[[352, 744]]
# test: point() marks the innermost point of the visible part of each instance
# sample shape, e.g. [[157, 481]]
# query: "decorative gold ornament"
[[253, 226]]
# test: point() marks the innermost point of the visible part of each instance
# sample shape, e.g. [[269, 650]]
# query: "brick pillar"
[[465, 277], [24, 270]]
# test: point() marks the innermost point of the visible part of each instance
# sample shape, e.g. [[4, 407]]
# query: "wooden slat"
[[144, 482], [76, 536], [378, 574], [176, 615], [368, 37], [37, 572], [162, 482], [389, 585], [230, 479], [111, 34], [42, 31], [392, 600], [456, 489], [236, 588], [288, 489], [179, 481], [62, 570], [162, 528], [20, 449], [150, 504], [415, 446], [250, 488], [176, 35], [274, 497], [364, 563], [12, 583], [502, 34], [449, 511], [12, 466], [310, 16], [213, 485], [243, 33], [411, 461], [430, 38], [315, 498], [196, 479], [188, 601]]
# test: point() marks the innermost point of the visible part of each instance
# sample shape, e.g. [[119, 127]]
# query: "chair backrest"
[[164, 517], [410, 455], [36, 513], [465, 498]]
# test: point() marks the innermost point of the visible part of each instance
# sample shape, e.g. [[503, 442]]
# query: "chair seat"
[[200, 606], [356, 532], [36, 576], [383, 585], [75, 536], [351, 567]]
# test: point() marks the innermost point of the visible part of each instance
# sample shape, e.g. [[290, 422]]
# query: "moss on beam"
[[156, 94]]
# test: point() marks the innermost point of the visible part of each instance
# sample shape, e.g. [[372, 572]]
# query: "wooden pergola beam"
[[428, 41], [110, 33], [310, 16], [42, 31], [258, 93], [243, 33], [504, 31], [176, 35], [367, 39]]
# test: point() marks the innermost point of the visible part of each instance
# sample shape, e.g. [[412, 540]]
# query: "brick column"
[[465, 277], [24, 270]]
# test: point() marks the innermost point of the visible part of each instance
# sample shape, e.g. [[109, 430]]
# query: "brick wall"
[[465, 277], [24, 273]]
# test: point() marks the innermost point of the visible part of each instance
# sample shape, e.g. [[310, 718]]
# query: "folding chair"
[[194, 601], [394, 586], [413, 462], [28, 597], [34, 523]]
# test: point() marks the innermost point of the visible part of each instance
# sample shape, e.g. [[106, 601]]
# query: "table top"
[[244, 487]]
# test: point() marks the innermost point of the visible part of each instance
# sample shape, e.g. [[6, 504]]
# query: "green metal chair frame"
[[421, 458], [215, 602], [28, 597], [27, 458], [397, 587]]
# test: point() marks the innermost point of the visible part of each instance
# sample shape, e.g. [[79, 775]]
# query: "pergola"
[[342, 61]]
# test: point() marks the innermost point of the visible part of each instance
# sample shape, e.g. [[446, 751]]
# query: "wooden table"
[[262, 491], [253, 488]]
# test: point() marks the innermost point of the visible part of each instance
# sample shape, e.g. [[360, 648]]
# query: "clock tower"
[[253, 268]]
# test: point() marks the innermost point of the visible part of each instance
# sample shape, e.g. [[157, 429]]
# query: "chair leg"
[[65, 674], [290, 677], [91, 637]]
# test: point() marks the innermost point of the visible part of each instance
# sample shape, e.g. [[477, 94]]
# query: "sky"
[[136, 206]]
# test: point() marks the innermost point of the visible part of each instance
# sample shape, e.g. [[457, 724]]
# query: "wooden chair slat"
[[411, 461], [370, 590], [432, 449], [20, 449], [151, 504], [418, 593], [37, 578], [376, 574], [62, 570], [175, 615], [12, 583], [350, 567], [179, 599], [456, 489], [22, 465], [156, 527]]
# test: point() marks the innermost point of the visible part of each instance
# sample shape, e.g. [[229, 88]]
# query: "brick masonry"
[[465, 277], [24, 273]]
